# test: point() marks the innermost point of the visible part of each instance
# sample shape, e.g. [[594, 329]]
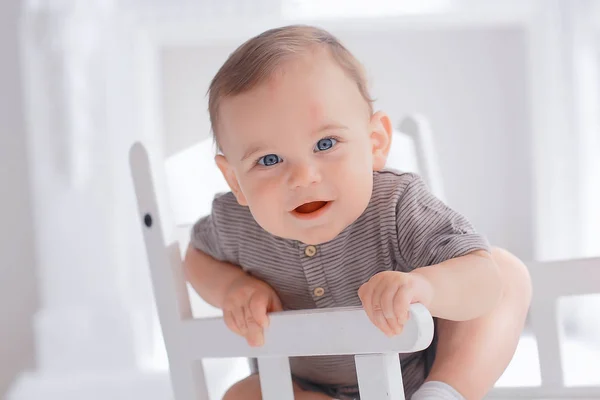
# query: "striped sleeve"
[[214, 233], [430, 232], [205, 237]]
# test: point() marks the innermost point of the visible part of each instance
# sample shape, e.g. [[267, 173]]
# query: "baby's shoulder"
[[389, 186], [392, 183], [225, 200], [226, 209]]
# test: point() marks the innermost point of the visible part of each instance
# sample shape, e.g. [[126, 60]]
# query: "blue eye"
[[325, 144], [269, 160]]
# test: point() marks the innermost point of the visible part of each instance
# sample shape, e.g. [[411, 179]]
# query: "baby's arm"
[[245, 300], [211, 268], [441, 262], [209, 277], [463, 288], [459, 289]]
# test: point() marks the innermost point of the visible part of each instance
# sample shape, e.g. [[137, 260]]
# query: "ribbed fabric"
[[404, 227]]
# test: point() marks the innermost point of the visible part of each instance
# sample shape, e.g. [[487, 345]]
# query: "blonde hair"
[[256, 60]]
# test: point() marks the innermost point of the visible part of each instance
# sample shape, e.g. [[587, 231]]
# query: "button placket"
[[315, 276]]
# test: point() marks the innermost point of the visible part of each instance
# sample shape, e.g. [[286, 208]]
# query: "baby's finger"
[[379, 318], [387, 304], [258, 309], [240, 321], [379, 313], [381, 294], [230, 322], [255, 335], [365, 294], [402, 304], [372, 307]]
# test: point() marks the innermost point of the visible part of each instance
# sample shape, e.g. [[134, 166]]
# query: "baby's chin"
[[311, 235], [318, 238], [315, 236]]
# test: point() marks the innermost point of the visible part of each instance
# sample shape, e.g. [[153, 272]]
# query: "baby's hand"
[[245, 308], [387, 296]]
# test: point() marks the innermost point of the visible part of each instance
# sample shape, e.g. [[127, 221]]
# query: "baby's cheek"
[[359, 168], [265, 205], [359, 184], [264, 216], [259, 188]]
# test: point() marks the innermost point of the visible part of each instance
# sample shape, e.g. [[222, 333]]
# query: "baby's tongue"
[[310, 207]]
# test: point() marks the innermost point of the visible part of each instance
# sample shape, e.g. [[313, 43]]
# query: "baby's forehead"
[[305, 93], [308, 81]]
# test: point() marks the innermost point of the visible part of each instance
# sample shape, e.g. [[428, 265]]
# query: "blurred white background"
[[511, 90]]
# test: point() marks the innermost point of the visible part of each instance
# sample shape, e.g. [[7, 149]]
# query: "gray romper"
[[404, 227]]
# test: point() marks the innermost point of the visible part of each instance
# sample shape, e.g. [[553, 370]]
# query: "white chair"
[[551, 281], [297, 333], [189, 340]]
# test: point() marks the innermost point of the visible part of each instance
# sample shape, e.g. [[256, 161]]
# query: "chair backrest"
[[412, 150], [189, 341], [552, 281], [175, 310]]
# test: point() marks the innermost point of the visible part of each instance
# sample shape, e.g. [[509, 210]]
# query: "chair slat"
[[187, 379], [552, 280], [379, 376], [275, 378], [548, 332], [333, 331]]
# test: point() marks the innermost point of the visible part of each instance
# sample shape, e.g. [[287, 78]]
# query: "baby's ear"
[[229, 175], [381, 139]]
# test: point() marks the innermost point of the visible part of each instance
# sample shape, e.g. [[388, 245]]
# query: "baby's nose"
[[304, 175]]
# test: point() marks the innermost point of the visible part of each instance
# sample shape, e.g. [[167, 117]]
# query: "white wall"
[[471, 84], [18, 298]]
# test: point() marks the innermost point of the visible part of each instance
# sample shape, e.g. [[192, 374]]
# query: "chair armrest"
[[310, 333]]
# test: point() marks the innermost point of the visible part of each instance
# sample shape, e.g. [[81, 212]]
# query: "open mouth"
[[309, 208], [312, 210]]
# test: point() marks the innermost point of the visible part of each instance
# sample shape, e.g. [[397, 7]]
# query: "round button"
[[319, 291], [310, 251]]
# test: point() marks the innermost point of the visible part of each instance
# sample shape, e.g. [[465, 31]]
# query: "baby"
[[313, 220]]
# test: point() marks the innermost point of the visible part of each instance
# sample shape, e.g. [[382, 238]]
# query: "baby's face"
[[300, 150]]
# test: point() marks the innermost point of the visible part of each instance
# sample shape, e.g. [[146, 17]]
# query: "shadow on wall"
[[18, 289], [19, 303]]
